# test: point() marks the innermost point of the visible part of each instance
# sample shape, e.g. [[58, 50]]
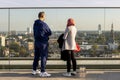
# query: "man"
[[41, 36]]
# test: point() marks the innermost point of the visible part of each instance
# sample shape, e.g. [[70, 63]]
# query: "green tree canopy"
[[14, 46], [22, 51]]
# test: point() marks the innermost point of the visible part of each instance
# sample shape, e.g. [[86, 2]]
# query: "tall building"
[[29, 30], [2, 40], [112, 43], [99, 29], [112, 34]]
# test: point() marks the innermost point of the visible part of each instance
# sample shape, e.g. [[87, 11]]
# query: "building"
[[112, 38], [20, 37], [99, 29], [13, 32], [2, 40], [8, 41], [6, 52], [30, 48], [113, 46], [29, 30], [112, 43], [87, 47], [29, 45]]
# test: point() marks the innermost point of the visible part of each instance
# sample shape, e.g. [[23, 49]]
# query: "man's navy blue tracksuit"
[[41, 36]]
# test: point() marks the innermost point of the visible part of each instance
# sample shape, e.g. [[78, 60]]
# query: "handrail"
[[86, 58]]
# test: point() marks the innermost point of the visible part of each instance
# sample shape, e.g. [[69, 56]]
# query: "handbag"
[[77, 48], [64, 55]]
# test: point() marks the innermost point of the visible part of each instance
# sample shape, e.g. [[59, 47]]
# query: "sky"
[[59, 3], [86, 18]]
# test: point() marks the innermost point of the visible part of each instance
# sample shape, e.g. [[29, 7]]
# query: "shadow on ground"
[[16, 74]]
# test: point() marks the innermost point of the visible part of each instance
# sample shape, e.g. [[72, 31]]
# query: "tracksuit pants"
[[40, 53]]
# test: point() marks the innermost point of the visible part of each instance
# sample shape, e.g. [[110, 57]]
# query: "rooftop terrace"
[[104, 74]]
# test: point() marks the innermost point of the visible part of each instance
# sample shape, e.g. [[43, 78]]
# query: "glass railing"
[[98, 31]]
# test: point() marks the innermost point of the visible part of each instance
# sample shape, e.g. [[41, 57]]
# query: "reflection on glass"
[[98, 31]]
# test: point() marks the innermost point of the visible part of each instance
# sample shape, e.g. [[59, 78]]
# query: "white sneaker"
[[73, 73], [44, 74], [35, 72], [67, 74]]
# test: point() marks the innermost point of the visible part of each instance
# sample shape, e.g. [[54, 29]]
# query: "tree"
[[2, 48], [14, 46], [22, 51], [0, 41], [101, 39], [30, 40], [94, 49], [119, 48]]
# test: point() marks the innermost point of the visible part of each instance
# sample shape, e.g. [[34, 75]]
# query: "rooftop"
[[90, 74]]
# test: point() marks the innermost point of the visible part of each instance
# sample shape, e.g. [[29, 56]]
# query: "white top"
[[69, 37]]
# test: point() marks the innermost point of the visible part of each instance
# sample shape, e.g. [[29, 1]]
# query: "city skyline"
[[88, 14]]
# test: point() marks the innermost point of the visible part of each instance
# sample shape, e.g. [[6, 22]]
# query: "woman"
[[70, 45]]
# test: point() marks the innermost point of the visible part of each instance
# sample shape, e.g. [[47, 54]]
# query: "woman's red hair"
[[70, 22]]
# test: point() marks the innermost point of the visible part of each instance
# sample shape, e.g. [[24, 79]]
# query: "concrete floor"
[[57, 75]]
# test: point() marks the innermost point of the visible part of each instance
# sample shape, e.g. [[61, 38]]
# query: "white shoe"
[[34, 72], [67, 74], [73, 73], [44, 74]]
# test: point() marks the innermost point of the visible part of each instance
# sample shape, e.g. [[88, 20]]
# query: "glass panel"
[[93, 25], [87, 23], [98, 32], [90, 26], [113, 32], [3, 32], [21, 22], [4, 50]]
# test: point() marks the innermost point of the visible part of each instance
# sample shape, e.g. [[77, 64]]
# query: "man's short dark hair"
[[41, 14]]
